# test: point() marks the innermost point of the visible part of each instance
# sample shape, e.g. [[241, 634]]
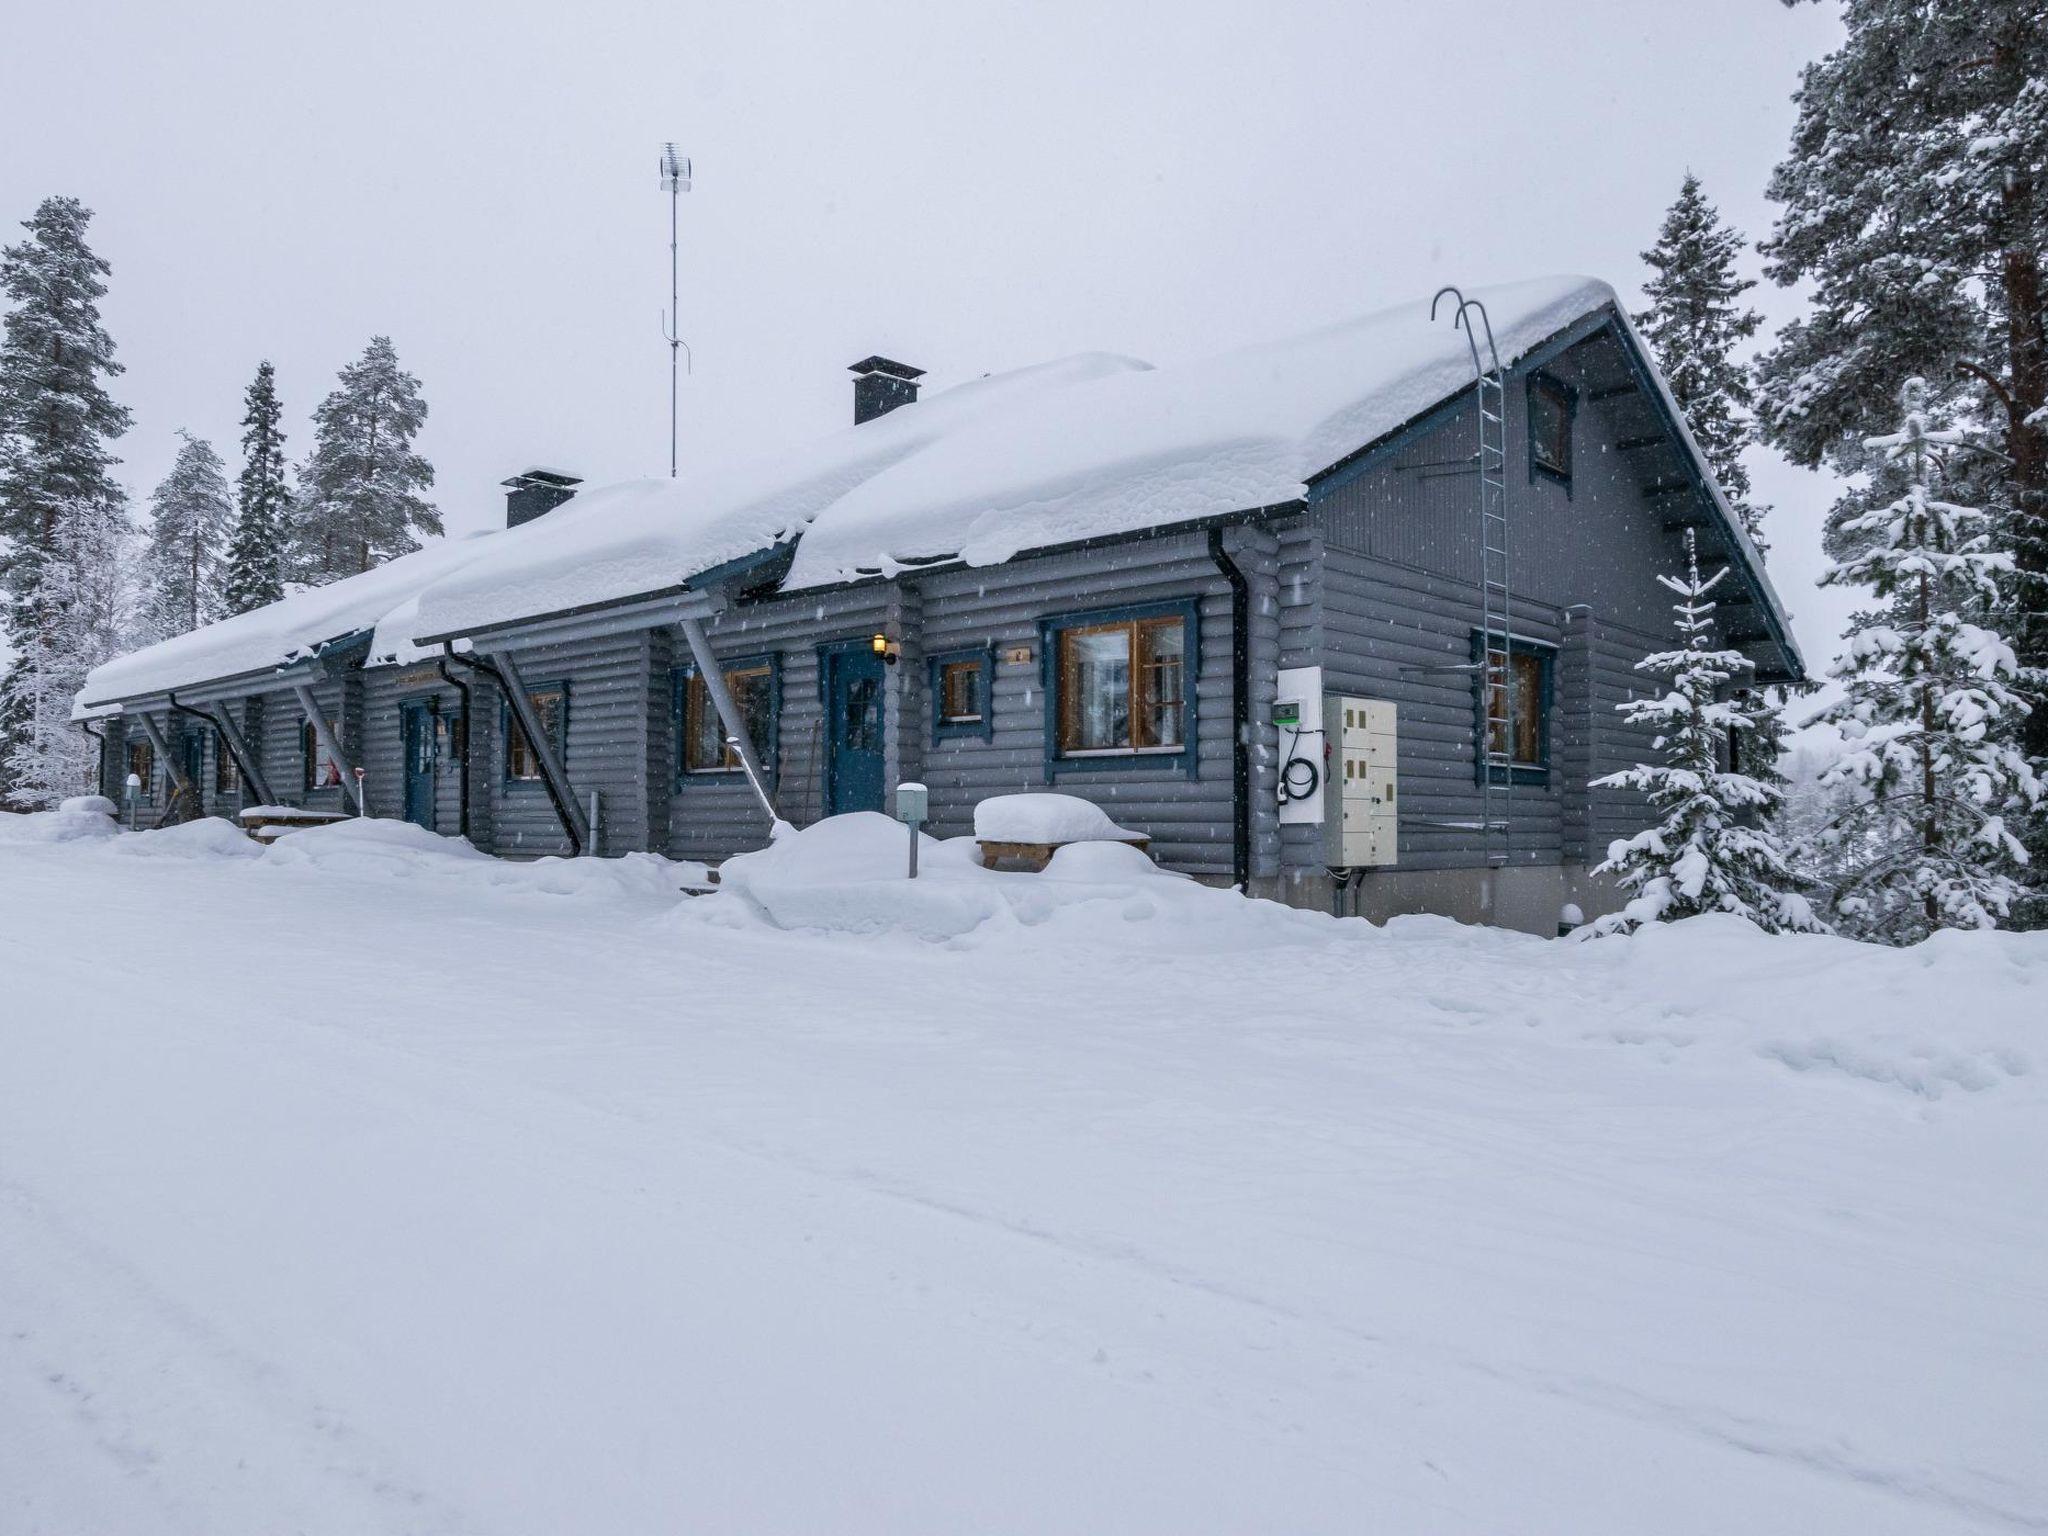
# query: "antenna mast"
[[675, 181]]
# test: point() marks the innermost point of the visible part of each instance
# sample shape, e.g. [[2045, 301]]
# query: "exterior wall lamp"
[[885, 648]]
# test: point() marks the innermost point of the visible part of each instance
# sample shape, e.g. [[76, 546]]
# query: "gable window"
[[1122, 686], [316, 769], [1552, 404], [1514, 710], [227, 778], [551, 705], [702, 746], [962, 703], [142, 765]]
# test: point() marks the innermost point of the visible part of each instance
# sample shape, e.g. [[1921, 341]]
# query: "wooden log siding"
[[386, 691], [284, 754], [606, 746], [712, 816], [1188, 820]]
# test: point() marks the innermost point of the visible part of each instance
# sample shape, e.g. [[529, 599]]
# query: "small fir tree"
[[1707, 854], [63, 518], [359, 500], [1928, 709], [190, 514], [256, 555], [1694, 324]]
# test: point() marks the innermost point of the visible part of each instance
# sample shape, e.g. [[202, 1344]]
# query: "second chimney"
[[880, 385], [534, 491]]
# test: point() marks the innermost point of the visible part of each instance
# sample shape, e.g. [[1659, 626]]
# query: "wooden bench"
[[266, 823], [1035, 856]]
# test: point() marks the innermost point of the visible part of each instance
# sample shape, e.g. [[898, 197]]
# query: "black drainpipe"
[[99, 774], [462, 772], [478, 664], [1240, 713]]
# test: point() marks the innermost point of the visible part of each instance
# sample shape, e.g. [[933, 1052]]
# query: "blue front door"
[[418, 731], [855, 678]]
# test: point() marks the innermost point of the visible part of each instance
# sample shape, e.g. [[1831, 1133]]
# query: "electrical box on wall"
[[1361, 821]]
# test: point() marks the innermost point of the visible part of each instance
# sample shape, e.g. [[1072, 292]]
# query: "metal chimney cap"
[[542, 476], [894, 369]]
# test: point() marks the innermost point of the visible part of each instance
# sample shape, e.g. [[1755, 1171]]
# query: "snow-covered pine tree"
[[1927, 692], [1694, 323], [63, 518], [1709, 853], [190, 514], [1916, 211], [256, 554], [359, 498]]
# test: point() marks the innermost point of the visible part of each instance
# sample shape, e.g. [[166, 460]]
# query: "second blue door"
[[419, 765], [855, 680]]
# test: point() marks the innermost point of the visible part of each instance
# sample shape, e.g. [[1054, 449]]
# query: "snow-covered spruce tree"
[[1708, 853], [63, 517], [1926, 846], [1915, 201], [189, 518], [256, 553], [1694, 324], [359, 498]]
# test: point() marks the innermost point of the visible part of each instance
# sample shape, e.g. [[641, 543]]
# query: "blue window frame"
[[1120, 689], [1532, 666], [1552, 406], [963, 693], [701, 752], [551, 703]]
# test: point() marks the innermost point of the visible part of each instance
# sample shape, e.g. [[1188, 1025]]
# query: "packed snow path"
[[386, 1191]]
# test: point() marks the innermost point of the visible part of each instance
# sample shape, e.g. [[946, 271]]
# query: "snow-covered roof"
[[1081, 447], [1072, 449], [646, 536], [281, 632]]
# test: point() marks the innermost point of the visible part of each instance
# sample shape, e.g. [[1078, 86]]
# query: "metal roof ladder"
[[1494, 665]]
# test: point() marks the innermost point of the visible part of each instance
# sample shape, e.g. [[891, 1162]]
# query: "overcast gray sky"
[[966, 186]]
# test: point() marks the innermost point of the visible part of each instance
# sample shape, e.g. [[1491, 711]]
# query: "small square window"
[[522, 763], [1551, 407], [962, 700]]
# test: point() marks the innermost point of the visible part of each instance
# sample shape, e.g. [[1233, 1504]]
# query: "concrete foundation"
[[1529, 898]]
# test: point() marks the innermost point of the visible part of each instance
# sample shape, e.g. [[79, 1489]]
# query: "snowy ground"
[[356, 1188]]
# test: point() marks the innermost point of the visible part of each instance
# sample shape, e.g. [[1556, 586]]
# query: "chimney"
[[534, 491], [879, 386]]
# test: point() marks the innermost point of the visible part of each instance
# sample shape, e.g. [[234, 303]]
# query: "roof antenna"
[[675, 181]]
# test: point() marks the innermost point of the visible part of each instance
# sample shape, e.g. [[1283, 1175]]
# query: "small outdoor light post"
[[912, 803], [134, 788]]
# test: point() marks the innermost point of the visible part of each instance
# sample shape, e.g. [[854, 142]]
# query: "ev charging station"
[[1339, 768]]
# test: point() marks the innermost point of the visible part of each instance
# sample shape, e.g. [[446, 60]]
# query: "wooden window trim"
[[684, 684], [1567, 401], [510, 731], [227, 773], [981, 726], [310, 756], [1185, 756], [144, 751], [1535, 771]]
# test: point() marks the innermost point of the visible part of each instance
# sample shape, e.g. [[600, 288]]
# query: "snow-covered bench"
[[1029, 829], [268, 822]]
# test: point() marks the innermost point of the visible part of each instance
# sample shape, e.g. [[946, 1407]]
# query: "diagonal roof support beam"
[[324, 733], [181, 785], [223, 721], [554, 776], [729, 716]]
